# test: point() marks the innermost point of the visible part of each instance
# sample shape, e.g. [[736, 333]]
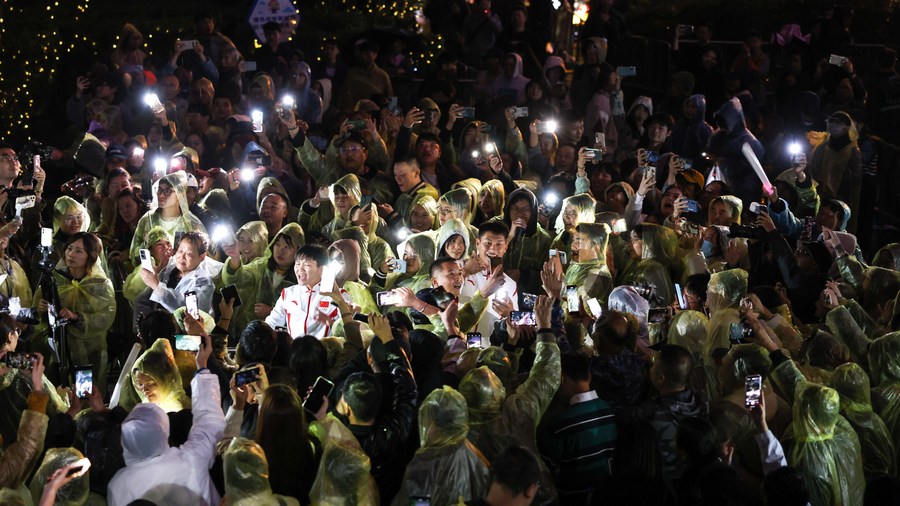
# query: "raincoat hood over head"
[[585, 208], [145, 433], [484, 394], [74, 493], [699, 102], [660, 243], [461, 200], [350, 184], [428, 203], [735, 203], [65, 205], [730, 117], [852, 383], [527, 195], [158, 362], [350, 253], [741, 361], [269, 185], [448, 230], [688, 329], [443, 419], [726, 289], [246, 472], [423, 245], [258, 234], [494, 188], [884, 359]]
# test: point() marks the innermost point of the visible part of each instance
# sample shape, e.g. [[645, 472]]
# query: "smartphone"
[[520, 112], [419, 501], [756, 208], [361, 317], [16, 360], [737, 332], [595, 307], [188, 44], [693, 206], [257, 119], [230, 293], [80, 467], [467, 112], [84, 381], [495, 262], [393, 104], [619, 226], [652, 156], [46, 237], [190, 304], [387, 298], [246, 376], [146, 260], [398, 264], [837, 60], [429, 116], [329, 274], [752, 391], [573, 301], [600, 139], [626, 71], [25, 202], [321, 389], [152, 101], [247, 66], [560, 254], [523, 318], [442, 297], [657, 315], [680, 296], [473, 339], [357, 124], [547, 127], [15, 304], [368, 200], [684, 30], [186, 342], [592, 154]]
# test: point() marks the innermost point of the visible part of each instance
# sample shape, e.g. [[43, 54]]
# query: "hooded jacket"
[[153, 218], [726, 143], [657, 255], [512, 87], [162, 474], [246, 473], [309, 105], [449, 229], [527, 252], [690, 137]]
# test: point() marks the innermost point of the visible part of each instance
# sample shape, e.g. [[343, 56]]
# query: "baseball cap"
[[116, 151], [192, 181]]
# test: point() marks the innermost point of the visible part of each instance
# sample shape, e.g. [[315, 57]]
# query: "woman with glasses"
[[169, 212]]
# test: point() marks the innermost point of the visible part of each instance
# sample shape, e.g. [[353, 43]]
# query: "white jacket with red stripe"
[[305, 311]]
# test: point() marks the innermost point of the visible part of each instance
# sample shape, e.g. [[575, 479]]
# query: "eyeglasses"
[[520, 209], [352, 149], [164, 192]]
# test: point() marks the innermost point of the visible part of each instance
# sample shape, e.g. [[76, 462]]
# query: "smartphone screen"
[[190, 304], [595, 308], [752, 391], [399, 265], [523, 318], [146, 260], [46, 237], [657, 315], [321, 389], [387, 298], [573, 301], [230, 292], [246, 376], [84, 381], [186, 342], [473, 339], [678, 294], [496, 262], [329, 274]]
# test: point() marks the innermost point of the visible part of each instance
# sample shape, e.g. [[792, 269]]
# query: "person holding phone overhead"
[[87, 300]]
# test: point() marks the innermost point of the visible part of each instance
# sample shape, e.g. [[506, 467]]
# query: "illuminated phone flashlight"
[[490, 148], [403, 233], [287, 102], [246, 174], [138, 151], [160, 165], [335, 266], [152, 101], [222, 234], [475, 153], [550, 126], [551, 199], [795, 149], [257, 119]]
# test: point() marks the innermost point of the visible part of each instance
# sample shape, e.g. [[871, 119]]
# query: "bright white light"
[[489, 147], [160, 165], [550, 126], [138, 152], [795, 148], [403, 233], [287, 102], [151, 99], [221, 234], [551, 199], [475, 153], [256, 116], [246, 174], [335, 266]]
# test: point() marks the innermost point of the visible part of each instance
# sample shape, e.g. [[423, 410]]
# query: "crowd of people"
[[270, 278]]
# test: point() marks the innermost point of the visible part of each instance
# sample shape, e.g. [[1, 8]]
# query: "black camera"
[[745, 231], [26, 158]]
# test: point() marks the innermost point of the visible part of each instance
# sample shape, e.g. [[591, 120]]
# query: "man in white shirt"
[[303, 308], [491, 244]]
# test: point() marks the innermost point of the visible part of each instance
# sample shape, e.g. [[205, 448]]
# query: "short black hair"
[[576, 365], [439, 264], [836, 206], [271, 26], [313, 252], [661, 118], [698, 284], [785, 487], [609, 328], [199, 107], [516, 469], [676, 363], [159, 324], [198, 239], [493, 227], [258, 343], [362, 392], [428, 136]]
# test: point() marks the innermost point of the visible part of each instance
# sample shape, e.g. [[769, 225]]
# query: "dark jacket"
[[726, 144], [665, 413]]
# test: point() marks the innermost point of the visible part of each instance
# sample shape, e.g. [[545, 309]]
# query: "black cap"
[[116, 151], [841, 117]]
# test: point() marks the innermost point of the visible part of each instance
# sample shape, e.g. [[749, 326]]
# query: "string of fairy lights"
[[37, 36]]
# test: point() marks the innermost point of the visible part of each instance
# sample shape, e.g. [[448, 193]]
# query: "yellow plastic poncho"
[[423, 245], [350, 184], [16, 283], [134, 285], [494, 188], [657, 255], [74, 493], [461, 202], [884, 369], [258, 234], [446, 466], [246, 471], [429, 204], [158, 362], [878, 454], [450, 228], [185, 222], [724, 294], [688, 329]]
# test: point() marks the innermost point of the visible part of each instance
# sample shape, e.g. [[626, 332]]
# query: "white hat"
[[192, 181]]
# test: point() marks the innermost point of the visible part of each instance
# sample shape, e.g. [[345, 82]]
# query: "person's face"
[[534, 91], [637, 246], [118, 184], [574, 130], [104, 91], [565, 159], [273, 210], [657, 133], [720, 214], [491, 245], [703, 34], [709, 60], [115, 163], [469, 137], [445, 212], [196, 121], [406, 176], [128, 209], [837, 128], [450, 277], [570, 217], [518, 19], [76, 255], [160, 251], [509, 66], [72, 222], [353, 157], [246, 246], [170, 87], [826, 218], [520, 210], [428, 152], [205, 26], [486, 203], [805, 261], [165, 196], [222, 108], [546, 144], [298, 78], [600, 181], [711, 234], [692, 300], [273, 37], [13, 340], [583, 249], [283, 253], [331, 51], [308, 271], [616, 200], [154, 135], [187, 258], [9, 164], [420, 219], [147, 386], [689, 109], [194, 142], [342, 201], [366, 58], [455, 247], [413, 263], [667, 202]]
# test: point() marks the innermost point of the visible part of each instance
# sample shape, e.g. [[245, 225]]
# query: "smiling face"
[[450, 277], [406, 176], [413, 264], [308, 272], [187, 258], [273, 210], [445, 212], [420, 219], [491, 245], [455, 247], [583, 249]]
